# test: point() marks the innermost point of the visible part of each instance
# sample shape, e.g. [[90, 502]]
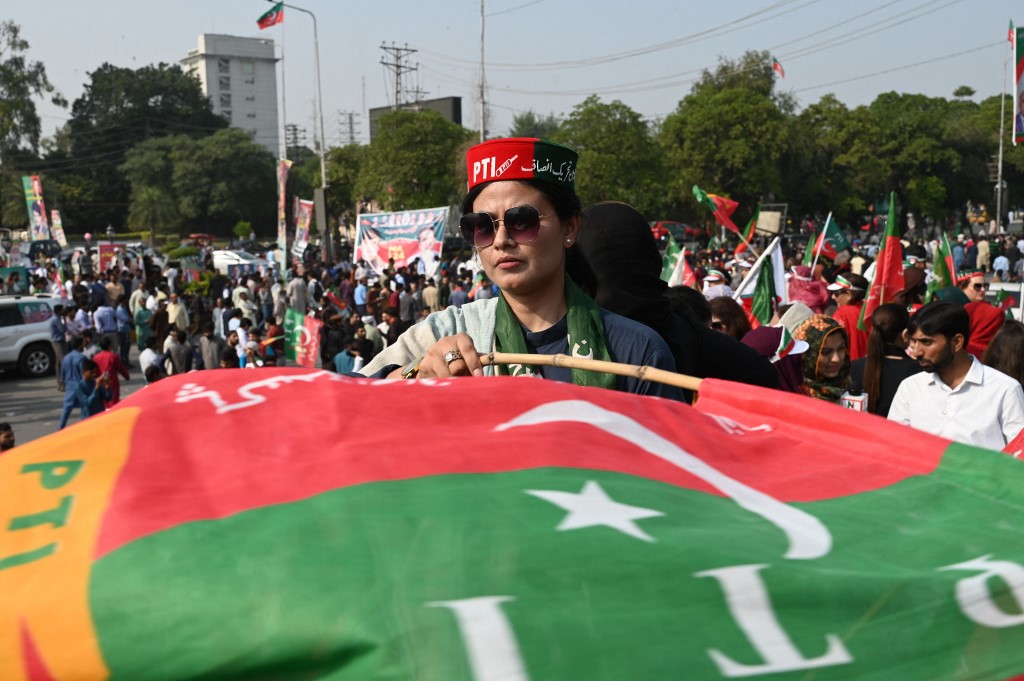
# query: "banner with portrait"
[[282, 221], [1018, 86], [57, 229], [303, 218], [37, 225], [405, 237]]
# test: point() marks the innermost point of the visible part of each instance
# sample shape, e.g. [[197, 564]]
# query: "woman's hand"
[[451, 356]]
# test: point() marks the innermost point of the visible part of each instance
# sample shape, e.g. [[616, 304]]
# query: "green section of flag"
[[833, 241], [764, 293], [942, 268], [812, 242], [294, 324], [670, 257], [339, 585]]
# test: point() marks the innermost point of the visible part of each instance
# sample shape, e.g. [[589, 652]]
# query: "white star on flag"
[[592, 507]]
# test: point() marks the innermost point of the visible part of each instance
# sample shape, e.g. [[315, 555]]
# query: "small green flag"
[[764, 293], [294, 325], [669, 259]]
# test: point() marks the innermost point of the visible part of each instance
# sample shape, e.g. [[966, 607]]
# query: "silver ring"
[[451, 356]]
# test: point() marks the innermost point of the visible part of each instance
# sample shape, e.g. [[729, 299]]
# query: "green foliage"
[[343, 165], [177, 252], [200, 286], [529, 124], [414, 161], [242, 229], [21, 81], [619, 159]]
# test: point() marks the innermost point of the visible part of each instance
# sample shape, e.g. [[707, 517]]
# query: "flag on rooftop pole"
[[720, 206], [777, 68], [888, 268], [274, 15]]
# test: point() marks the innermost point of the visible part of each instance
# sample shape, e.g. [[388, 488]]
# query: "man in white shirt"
[[956, 396]]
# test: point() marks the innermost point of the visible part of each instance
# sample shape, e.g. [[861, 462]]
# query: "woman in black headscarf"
[[620, 247]]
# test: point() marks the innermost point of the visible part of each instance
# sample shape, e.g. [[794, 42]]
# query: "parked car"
[[25, 334], [222, 259]]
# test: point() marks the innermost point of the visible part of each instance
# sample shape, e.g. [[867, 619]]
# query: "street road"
[[32, 405]]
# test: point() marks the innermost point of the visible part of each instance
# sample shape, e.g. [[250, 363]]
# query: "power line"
[[398, 66]]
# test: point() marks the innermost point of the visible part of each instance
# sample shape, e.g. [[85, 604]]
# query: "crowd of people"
[[545, 276]]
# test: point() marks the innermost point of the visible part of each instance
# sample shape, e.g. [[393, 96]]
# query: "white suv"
[[25, 334]]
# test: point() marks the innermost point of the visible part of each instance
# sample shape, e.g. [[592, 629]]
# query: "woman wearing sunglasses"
[[522, 217]]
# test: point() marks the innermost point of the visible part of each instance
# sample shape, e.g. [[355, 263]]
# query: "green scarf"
[[586, 331]]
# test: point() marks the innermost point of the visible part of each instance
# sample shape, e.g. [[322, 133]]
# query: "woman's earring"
[[568, 242]]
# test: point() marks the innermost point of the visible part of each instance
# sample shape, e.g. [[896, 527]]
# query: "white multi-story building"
[[239, 75]]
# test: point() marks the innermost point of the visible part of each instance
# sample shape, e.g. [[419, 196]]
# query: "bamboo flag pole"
[[644, 373]]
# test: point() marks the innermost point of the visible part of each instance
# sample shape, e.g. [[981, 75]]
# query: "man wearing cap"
[[715, 286], [973, 284], [956, 396], [848, 291]]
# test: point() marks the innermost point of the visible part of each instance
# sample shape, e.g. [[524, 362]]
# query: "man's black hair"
[[941, 318]]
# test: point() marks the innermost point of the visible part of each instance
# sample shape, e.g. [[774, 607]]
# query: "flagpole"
[[752, 274], [1002, 127], [320, 116], [821, 242]]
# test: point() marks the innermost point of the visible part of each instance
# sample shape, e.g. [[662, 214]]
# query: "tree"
[[21, 80], [529, 124], [343, 164], [153, 209], [963, 92], [122, 107], [619, 159], [414, 161]]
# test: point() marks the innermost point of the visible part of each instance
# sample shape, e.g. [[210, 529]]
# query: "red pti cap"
[[521, 158]]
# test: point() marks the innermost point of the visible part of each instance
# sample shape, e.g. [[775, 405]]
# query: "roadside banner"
[[1018, 90], [153, 541], [57, 229], [303, 218], [38, 227], [283, 167], [403, 236]]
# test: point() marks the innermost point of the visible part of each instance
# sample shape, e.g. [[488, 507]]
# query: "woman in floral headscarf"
[[827, 360]]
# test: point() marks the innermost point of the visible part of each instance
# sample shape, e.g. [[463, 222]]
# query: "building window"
[[226, 113], [250, 115], [248, 68], [249, 81], [225, 101], [250, 98], [225, 83], [223, 66]]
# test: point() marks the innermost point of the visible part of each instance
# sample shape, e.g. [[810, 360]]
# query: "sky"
[[541, 55]]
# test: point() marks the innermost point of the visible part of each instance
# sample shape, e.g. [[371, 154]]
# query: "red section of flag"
[[35, 668], [308, 349], [724, 208], [275, 15], [888, 269], [777, 68], [302, 433]]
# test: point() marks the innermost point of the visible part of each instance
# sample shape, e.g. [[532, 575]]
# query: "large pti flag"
[[667, 542], [831, 242], [404, 236]]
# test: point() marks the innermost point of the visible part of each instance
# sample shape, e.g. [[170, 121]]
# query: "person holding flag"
[[523, 217], [848, 291]]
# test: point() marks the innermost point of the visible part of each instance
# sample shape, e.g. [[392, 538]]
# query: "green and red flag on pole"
[[301, 338], [218, 526], [777, 68], [831, 242], [943, 267], [720, 206], [812, 241], [747, 234], [670, 258], [273, 16], [1009, 33], [888, 268], [763, 307]]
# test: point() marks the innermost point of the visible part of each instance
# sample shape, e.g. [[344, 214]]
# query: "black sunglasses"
[[522, 224], [980, 287]]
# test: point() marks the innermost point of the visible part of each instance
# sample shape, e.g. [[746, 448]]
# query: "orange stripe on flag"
[[55, 494]]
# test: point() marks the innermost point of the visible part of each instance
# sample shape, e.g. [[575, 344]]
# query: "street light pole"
[[322, 198]]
